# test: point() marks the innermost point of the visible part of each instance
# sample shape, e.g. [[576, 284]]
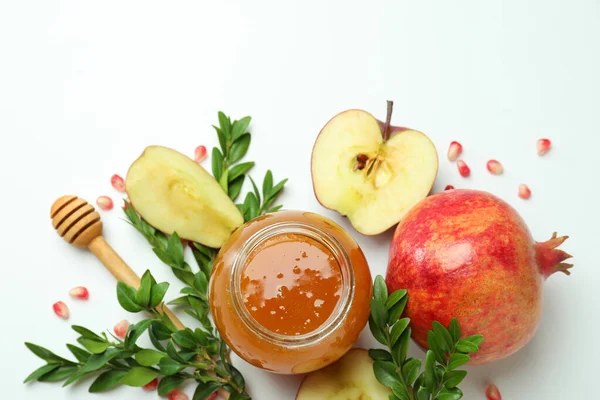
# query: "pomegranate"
[[468, 254]]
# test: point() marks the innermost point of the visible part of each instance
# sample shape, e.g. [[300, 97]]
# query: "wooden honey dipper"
[[79, 224]]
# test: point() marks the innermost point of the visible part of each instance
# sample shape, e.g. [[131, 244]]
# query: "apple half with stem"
[[175, 194], [349, 378], [371, 172]]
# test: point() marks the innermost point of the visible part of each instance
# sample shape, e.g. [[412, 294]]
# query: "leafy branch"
[[403, 375], [178, 355]]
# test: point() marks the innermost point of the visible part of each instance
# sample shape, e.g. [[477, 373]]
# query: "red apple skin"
[[468, 254]]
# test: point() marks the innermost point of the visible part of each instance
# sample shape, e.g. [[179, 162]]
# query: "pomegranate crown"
[[550, 258]]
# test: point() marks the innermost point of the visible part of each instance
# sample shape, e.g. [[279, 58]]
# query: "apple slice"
[[371, 172], [350, 378], [175, 194]]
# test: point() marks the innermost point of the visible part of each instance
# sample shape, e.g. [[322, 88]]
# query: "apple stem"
[[388, 120]]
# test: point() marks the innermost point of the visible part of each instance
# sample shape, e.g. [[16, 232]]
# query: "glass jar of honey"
[[290, 292]]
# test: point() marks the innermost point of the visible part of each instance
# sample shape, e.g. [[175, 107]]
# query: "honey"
[[290, 292]]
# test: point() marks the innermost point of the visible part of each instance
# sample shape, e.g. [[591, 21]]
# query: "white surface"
[[84, 86]]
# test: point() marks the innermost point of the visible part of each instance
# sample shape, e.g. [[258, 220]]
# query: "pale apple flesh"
[[175, 194], [350, 378], [371, 181]]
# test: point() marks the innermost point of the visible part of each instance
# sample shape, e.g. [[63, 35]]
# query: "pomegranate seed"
[[524, 191], [79, 292], [213, 396], [118, 183], [454, 151], [463, 168], [178, 395], [121, 329], [492, 393], [449, 187], [495, 167], [61, 310], [152, 385], [200, 154], [543, 146], [105, 203]]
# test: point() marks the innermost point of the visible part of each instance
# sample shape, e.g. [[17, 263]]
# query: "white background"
[[85, 86]]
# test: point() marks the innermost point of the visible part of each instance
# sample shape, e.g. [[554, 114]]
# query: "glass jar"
[[290, 292]]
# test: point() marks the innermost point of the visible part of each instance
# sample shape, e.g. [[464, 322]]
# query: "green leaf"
[[175, 249], [239, 128], [135, 331], [400, 349], [380, 292], [93, 346], [397, 330], [453, 378], [255, 189], [267, 184], [148, 357], [235, 187], [423, 394], [80, 354], [454, 329], [397, 310], [225, 124], [86, 333], [239, 170], [432, 341], [456, 360], [223, 181], [126, 296], [239, 148], [172, 351], [142, 296], [41, 371], [107, 380], [411, 370], [200, 282], [169, 366], [430, 380], [203, 390], [155, 342], [465, 346], [400, 391], [217, 163], [59, 374], [139, 376], [450, 394], [46, 354], [169, 383], [394, 298], [163, 255], [275, 192], [380, 354], [377, 332], [386, 374], [184, 339], [160, 331], [157, 293], [274, 209], [98, 361], [442, 337], [475, 339], [379, 313]]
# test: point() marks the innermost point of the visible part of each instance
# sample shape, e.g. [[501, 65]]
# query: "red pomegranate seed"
[[449, 187], [152, 385], [200, 154], [61, 310], [454, 151], [524, 191], [543, 146], [178, 395], [495, 167], [213, 396], [105, 203], [121, 329], [79, 292], [492, 393], [118, 183], [463, 168]]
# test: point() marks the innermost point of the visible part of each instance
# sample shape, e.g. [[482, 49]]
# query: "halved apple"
[[175, 194], [370, 171], [350, 378]]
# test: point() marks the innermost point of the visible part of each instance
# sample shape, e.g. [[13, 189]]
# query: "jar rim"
[[347, 275]]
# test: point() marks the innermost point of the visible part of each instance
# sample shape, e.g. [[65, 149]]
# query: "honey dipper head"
[[75, 220]]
